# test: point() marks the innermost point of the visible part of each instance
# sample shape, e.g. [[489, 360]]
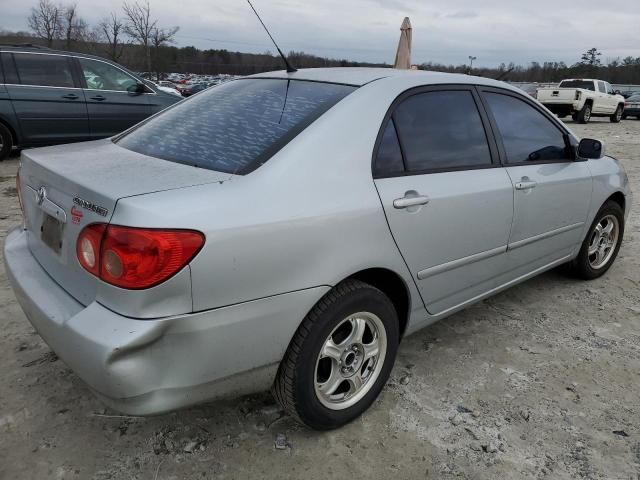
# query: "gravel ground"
[[542, 381]]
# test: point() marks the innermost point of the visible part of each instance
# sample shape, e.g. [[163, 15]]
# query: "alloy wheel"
[[350, 360], [603, 241]]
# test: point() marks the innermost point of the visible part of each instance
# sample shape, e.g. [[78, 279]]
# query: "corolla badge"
[[90, 206], [41, 194]]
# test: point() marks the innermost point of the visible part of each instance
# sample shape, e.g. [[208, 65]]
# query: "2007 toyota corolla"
[[287, 230]]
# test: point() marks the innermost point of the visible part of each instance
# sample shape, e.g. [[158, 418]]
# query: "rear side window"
[[43, 70], [389, 156], [441, 130], [602, 87], [237, 126], [527, 135], [10, 75]]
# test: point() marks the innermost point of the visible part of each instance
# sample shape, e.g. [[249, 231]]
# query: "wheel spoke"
[[355, 383], [358, 326], [331, 350], [609, 228], [371, 349]]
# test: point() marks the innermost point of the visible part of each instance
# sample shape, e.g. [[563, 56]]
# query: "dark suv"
[[49, 97]]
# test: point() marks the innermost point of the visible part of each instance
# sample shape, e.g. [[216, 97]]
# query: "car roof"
[[27, 47], [359, 76]]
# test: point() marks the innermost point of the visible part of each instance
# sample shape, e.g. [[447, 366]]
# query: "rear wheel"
[[584, 115], [6, 142], [602, 243], [617, 116], [340, 358]]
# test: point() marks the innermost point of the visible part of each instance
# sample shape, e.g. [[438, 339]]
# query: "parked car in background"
[[163, 88], [583, 99], [632, 106], [271, 232], [49, 97], [192, 89]]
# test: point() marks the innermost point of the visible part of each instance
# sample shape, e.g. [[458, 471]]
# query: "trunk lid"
[[66, 188]]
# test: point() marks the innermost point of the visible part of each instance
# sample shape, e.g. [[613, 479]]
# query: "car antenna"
[[290, 69]]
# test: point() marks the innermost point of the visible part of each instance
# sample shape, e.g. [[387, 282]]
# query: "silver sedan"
[[286, 231]]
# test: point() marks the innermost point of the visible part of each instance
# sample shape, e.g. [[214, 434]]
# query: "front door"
[[46, 98], [552, 191], [112, 107], [448, 205]]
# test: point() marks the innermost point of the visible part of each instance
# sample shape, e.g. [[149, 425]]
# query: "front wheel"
[[602, 243], [340, 358], [617, 116]]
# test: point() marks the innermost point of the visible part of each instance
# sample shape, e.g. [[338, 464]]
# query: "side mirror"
[[588, 148], [136, 89]]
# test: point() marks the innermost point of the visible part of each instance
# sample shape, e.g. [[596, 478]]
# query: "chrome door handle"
[[99, 98], [413, 201], [70, 96], [525, 185]]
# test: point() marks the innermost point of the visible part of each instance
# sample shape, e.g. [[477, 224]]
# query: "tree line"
[[134, 38]]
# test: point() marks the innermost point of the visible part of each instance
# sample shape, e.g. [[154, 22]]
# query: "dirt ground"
[[542, 381]]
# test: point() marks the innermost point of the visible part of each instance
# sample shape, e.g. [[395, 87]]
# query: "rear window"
[[585, 84], [234, 127]]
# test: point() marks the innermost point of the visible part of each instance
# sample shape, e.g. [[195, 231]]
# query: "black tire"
[[6, 142], [581, 266], [584, 115], [615, 118], [294, 388]]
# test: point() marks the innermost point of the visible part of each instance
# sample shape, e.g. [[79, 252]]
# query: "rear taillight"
[[135, 258]]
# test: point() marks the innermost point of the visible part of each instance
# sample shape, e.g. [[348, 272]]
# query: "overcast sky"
[[444, 31]]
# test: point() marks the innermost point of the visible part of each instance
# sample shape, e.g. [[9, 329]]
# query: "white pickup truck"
[[583, 99]]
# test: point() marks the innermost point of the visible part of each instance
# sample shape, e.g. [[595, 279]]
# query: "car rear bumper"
[[143, 367], [632, 112], [561, 108]]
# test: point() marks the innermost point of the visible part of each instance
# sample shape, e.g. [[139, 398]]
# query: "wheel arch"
[[12, 131], [619, 198], [393, 286]]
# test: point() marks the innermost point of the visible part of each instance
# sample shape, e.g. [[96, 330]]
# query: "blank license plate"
[[51, 233]]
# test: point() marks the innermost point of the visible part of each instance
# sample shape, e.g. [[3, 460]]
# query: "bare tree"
[[140, 26], [159, 38], [112, 30], [45, 21], [74, 28]]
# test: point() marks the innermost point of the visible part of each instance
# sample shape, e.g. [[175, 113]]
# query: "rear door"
[[448, 203], [112, 108], [47, 98], [552, 192]]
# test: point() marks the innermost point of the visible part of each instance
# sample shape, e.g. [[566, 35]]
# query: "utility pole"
[[471, 59]]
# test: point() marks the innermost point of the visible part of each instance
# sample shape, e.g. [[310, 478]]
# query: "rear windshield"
[[585, 84], [234, 127]]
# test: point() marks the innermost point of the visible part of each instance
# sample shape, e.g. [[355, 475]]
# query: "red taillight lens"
[[136, 258]]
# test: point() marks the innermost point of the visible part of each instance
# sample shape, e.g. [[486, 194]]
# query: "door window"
[[44, 70], [389, 157], [441, 130], [527, 135], [103, 76]]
